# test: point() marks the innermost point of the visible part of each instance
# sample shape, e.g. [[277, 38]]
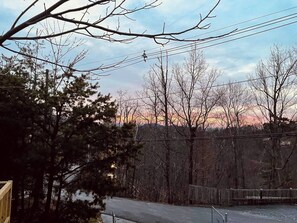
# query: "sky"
[[259, 23]]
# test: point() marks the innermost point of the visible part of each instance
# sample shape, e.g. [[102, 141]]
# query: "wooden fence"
[[5, 201], [209, 195]]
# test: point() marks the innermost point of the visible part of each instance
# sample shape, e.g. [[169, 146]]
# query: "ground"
[[147, 212]]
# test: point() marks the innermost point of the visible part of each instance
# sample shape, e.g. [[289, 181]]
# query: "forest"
[[197, 132]]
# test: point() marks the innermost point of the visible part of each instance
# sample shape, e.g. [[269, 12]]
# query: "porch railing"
[[5, 201]]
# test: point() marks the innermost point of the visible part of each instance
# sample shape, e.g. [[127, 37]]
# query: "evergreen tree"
[[64, 140]]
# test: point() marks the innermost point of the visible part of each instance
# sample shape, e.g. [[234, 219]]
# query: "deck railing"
[[5, 201]]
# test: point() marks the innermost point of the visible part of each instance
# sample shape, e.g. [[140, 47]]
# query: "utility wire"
[[206, 33], [237, 32], [152, 56], [135, 60], [184, 48]]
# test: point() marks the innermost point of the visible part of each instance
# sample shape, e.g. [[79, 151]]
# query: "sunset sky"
[[260, 25]]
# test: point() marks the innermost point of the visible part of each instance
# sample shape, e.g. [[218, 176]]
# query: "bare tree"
[[195, 99], [159, 85], [235, 102], [274, 88], [92, 18], [151, 94], [127, 108]]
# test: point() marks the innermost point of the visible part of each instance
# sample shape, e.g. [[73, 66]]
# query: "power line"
[[240, 31], [184, 48], [213, 31], [201, 43], [139, 59], [237, 32], [281, 19]]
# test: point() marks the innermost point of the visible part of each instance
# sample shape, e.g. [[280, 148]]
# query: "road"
[[148, 212]]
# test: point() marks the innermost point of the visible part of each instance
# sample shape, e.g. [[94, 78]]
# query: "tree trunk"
[[191, 156], [235, 166], [38, 187], [50, 182], [168, 174], [242, 169]]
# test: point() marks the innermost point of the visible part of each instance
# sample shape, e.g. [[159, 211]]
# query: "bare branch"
[[23, 13], [101, 67], [97, 28], [118, 11]]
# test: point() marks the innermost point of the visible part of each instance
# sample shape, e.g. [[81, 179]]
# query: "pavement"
[[148, 212]]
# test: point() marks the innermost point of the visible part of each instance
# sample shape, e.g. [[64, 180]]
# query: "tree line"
[[196, 131]]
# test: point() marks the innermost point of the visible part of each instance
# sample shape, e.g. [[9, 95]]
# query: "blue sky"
[[237, 59]]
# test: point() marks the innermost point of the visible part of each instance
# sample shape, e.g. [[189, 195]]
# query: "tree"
[[15, 113], [68, 142], [127, 108], [127, 112], [235, 102], [273, 87], [195, 99], [92, 19], [158, 85]]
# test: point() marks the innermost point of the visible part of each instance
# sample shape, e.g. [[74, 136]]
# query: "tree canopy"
[[57, 142]]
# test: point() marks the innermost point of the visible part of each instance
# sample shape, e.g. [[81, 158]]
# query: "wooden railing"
[[209, 195], [5, 201]]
